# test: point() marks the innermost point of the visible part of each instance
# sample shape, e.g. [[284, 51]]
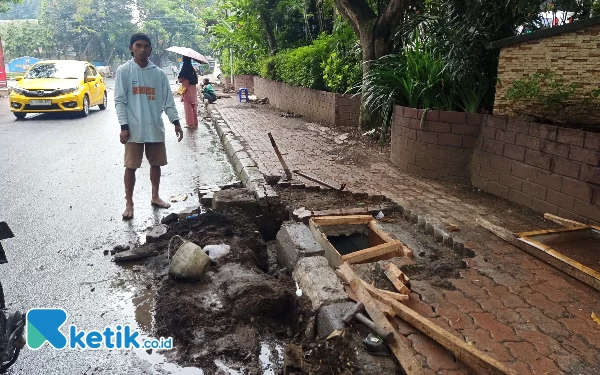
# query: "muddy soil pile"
[[244, 313]]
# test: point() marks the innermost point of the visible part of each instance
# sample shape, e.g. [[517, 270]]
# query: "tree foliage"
[[99, 30], [19, 10]]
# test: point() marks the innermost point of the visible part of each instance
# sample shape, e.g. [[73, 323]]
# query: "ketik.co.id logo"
[[43, 325]]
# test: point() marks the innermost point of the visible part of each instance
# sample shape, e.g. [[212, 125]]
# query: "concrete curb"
[[248, 172], [244, 166]]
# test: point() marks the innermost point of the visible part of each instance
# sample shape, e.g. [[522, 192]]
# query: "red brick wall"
[[546, 168], [574, 56], [244, 81], [347, 110], [318, 106], [439, 148]]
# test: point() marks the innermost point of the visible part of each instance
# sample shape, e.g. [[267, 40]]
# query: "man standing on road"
[[142, 93]]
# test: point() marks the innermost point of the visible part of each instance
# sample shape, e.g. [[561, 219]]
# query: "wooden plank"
[[398, 284], [567, 223], [407, 360], [550, 231], [407, 251], [333, 257], [393, 295], [554, 258], [373, 252], [373, 290], [375, 227], [563, 258], [461, 349], [398, 273], [342, 220], [387, 310]]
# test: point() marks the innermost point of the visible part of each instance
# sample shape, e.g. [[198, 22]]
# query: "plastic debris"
[[179, 198], [217, 251]]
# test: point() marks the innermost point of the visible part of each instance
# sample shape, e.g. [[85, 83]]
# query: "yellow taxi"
[[58, 86]]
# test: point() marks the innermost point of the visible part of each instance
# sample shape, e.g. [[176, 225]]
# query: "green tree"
[[172, 22], [5, 5], [19, 10], [23, 38]]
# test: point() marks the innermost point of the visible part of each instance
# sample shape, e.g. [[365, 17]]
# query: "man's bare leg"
[[129, 186], [155, 179]]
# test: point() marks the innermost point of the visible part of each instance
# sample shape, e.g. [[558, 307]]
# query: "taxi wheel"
[[86, 106], [20, 115], [103, 105]]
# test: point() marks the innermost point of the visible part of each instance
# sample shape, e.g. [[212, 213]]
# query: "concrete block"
[[318, 282], [330, 318], [207, 199], [234, 198], [157, 233], [302, 215], [294, 242]]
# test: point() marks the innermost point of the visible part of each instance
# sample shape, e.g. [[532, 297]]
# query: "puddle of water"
[[138, 305], [144, 306], [267, 362], [223, 367]]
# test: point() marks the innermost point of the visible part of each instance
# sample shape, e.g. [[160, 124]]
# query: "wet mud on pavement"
[[61, 191]]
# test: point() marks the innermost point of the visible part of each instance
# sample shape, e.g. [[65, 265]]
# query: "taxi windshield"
[[53, 71]]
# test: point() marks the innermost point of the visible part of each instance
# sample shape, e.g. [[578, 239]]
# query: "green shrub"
[[327, 64], [342, 71], [268, 68], [302, 66]]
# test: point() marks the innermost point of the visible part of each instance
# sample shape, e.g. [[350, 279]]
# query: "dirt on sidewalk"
[[245, 312]]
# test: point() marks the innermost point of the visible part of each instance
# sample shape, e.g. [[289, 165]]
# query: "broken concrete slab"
[[232, 185], [302, 215], [138, 253], [330, 318], [294, 242], [157, 233], [318, 282], [234, 198], [207, 199]]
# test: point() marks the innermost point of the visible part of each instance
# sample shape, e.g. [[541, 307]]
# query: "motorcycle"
[[12, 322]]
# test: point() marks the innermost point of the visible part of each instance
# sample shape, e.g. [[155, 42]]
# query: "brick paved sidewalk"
[[509, 304]]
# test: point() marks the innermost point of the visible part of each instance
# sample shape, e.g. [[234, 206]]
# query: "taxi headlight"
[[68, 91]]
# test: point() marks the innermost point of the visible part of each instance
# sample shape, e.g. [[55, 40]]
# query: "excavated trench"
[[244, 315]]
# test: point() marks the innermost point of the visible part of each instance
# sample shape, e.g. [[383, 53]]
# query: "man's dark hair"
[[140, 36]]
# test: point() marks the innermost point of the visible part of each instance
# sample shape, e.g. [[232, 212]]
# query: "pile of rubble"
[[289, 115]]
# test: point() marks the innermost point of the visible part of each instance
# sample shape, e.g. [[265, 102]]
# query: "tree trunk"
[[270, 34], [375, 32]]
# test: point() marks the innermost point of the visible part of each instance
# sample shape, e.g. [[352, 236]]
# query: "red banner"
[[2, 67]]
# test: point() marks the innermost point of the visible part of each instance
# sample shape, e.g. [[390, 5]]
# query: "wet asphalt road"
[[61, 191]]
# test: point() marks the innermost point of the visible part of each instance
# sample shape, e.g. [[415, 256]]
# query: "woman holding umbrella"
[[189, 79]]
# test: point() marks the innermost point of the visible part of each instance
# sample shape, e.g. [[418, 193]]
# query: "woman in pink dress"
[[189, 79]]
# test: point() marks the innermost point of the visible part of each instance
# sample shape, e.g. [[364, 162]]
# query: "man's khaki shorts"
[[156, 154]]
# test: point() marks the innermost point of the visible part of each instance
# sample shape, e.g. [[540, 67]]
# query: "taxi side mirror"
[[18, 78], [92, 78]]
